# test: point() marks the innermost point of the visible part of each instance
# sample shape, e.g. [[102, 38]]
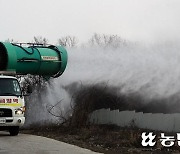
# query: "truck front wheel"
[[14, 130]]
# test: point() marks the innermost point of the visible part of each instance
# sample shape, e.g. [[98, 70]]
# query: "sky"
[[136, 20]]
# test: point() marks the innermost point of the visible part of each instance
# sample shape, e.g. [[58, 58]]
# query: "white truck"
[[48, 61], [12, 105]]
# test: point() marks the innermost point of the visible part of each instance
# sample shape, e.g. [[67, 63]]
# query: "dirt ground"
[[104, 139]]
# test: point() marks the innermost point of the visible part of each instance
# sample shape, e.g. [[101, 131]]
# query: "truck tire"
[[14, 131]]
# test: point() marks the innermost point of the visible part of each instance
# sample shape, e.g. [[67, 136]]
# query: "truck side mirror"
[[29, 89]]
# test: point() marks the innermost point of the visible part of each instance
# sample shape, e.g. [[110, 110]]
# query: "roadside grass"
[[102, 138]]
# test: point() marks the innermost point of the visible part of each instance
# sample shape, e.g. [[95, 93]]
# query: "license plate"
[[2, 121]]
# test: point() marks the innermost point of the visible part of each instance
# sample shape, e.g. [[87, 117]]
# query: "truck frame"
[[20, 59], [12, 105]]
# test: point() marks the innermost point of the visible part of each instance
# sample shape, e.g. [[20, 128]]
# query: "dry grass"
[[102, 138]]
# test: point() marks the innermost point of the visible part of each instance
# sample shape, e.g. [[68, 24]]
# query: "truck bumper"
[[12, 121]]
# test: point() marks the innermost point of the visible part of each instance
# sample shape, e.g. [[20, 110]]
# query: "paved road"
[[30, 144]]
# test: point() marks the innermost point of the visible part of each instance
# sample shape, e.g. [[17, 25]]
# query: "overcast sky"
[[146, 20]]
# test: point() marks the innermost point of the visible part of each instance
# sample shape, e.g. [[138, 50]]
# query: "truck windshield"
[[9, 87]]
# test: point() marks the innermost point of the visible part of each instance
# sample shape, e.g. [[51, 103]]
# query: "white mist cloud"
[[151, 70]]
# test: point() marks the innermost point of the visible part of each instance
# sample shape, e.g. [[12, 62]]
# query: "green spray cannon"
[[35, 59]]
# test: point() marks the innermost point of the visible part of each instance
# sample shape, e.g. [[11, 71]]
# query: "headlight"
[[19, 111]]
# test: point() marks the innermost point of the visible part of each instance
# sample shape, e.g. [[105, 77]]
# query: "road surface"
[[31, 144]]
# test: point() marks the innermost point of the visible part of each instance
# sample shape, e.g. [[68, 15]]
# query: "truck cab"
[[12, 105]]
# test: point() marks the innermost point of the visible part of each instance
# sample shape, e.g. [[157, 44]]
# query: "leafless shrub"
[[57, 111], [37, 82], [68, 41], [40, 40], [105, 41], [87, 98], [11, 40]]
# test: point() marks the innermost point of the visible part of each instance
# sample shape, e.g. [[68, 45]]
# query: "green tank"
[[48, 61]]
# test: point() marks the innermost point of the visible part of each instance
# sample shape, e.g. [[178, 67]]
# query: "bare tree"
[[96, 40], [104, 40], [40, 40], [68, 41], [11, 40]]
